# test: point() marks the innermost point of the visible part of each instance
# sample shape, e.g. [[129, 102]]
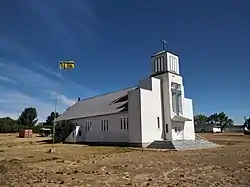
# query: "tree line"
[[27, 120], [220, 119]]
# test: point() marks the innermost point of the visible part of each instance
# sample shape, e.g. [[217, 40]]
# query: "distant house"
[[235, 128], [203, 127]]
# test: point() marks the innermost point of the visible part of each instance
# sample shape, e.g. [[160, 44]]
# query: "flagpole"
[[63, 65], [54, 123], [55, 110]]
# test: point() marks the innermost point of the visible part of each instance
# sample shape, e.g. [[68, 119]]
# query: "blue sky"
[[111, 43]]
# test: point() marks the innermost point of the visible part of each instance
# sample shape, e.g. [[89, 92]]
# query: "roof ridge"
[[102, 95]]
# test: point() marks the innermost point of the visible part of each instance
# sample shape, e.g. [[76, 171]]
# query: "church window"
[[162, 63], [173, 64], [158, 64], [166, 128], [158, 122], [121, 123], [88, 126], [124, 123], [104, 125]]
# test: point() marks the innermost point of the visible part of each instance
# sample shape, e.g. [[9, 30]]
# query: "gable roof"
[[108, 103]]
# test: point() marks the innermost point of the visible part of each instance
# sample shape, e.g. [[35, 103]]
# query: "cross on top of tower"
[[164, 44]]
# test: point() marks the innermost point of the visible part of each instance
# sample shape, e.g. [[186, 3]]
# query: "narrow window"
[[179, 129], [158, 122], [175, 129], [121, 121], [155, 65], [90, 126], [104, 125], [79, 133], [107, 128], [162, 61], [158, 64], [73, 134], [166, 128], [124, 123], [101, 125], [127, 122]]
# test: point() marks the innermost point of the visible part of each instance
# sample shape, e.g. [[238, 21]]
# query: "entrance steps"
[[198, 143]]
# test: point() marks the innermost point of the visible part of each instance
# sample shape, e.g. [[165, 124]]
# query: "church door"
[[178, 133]]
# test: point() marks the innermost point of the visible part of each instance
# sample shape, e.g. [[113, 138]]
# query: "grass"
[[26, 162]]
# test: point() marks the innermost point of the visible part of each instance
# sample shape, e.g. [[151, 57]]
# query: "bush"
[[63, 130]]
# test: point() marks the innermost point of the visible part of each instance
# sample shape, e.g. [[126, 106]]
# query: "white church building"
[[154, 110]]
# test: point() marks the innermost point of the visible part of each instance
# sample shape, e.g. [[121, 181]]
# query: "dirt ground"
[[25, 162]]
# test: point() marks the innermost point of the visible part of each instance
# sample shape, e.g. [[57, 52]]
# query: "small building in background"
[[25, 133], [44, 132], [235, 128], [203, 127]]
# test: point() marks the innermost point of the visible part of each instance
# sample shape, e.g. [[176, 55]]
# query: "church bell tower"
[[165, 66]]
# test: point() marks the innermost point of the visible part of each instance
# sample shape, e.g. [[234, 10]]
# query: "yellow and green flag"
[[67, 64]]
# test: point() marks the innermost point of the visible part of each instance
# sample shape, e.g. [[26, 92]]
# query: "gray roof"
[[100, 105]]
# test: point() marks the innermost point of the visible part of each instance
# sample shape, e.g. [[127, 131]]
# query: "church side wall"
[[151, 109], [189, 130], [134, 116], [95, 134]]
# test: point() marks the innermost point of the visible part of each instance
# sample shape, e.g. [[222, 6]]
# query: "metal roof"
[[108, 103]]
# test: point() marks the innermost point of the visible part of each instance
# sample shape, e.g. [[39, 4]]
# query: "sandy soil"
[[25, 162]]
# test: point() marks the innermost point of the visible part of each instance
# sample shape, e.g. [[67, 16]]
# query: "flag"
[[67, 64]]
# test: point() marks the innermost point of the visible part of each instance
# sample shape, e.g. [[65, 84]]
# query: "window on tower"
[[173, 64], [159, 64]]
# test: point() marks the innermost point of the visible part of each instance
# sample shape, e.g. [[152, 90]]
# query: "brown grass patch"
[[26, 162]]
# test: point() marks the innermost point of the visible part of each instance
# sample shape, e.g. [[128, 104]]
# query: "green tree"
[[50, 118], [220, 119], [63, 129], [200, 118], [8, 125], [28, 117], [213, 119]]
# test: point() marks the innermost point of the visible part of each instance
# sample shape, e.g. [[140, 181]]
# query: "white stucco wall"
[[179, 134], [151, 109], [166, 105], [113, 134], [189, 130], [134, 116]]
